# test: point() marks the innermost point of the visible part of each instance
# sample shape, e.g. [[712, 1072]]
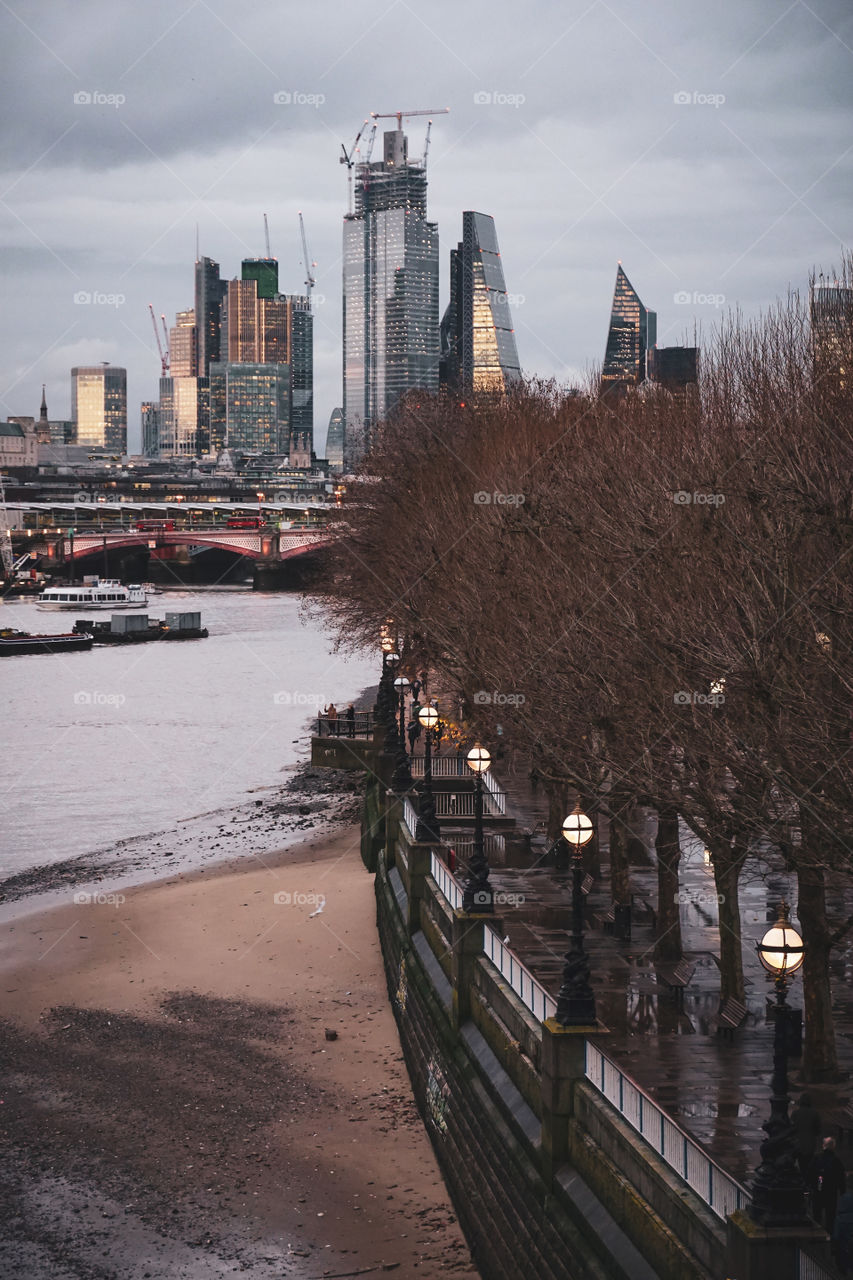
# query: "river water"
[[120, 742]]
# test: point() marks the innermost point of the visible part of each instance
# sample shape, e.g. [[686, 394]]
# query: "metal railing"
[[460, 804], [494, 845], [811, 1268], [361, 726], [721, 1192], [442, 767], [528, 989], [410, 816], [446, 881], [498, 797]]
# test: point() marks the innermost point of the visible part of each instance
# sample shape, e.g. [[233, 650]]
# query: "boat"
[[17, 642], [95, 593]]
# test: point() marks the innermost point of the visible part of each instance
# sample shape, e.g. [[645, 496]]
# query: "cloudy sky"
[[706, 146]]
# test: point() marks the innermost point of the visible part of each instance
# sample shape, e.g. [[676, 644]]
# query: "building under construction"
[[390, 286]]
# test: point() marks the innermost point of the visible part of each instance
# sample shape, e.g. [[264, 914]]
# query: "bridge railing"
[[446, 881], [460, 804], [528, 989], [360, 726], [720, 1191]]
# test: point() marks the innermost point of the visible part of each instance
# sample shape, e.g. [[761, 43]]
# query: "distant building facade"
[[631, 335], [150, 429], [478, 350], [335, 440], [99, 406], [390, 291], [831, 314], [674, 368], [250, 407], [18, 444]]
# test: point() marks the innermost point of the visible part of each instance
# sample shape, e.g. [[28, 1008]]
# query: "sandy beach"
[[201, 1077]]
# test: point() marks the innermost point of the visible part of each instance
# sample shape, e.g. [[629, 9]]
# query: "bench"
[[675, 977], [730, 1015], [606, 919]]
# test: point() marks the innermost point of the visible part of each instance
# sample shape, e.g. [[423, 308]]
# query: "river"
[[120, 742]]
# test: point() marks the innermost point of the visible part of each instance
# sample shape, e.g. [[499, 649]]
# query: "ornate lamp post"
[[427, 829], [576, 1001], [402, 779], [778, 1191], [478, 894]]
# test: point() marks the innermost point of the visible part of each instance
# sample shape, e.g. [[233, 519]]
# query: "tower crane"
[[348, 158], [398, 115], [309, 265], [426, 143], [164, 351]]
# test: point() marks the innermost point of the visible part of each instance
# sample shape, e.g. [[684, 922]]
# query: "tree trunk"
[[820, 1060], [727, 861], [620, 872], [668, 850], [558, 806]]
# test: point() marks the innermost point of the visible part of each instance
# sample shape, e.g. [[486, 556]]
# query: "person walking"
[[349, 716], [842, 1231], [806, 1124], [827, 1179]]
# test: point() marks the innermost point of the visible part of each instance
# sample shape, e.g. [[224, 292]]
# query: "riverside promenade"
[[649, 1137]]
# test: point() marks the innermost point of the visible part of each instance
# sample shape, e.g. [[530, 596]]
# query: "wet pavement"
[[717, 1089]]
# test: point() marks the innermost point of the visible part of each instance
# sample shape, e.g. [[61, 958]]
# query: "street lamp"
[[778, 1189], [402, 779], [576, 1001], [478, 894], [427, 829]]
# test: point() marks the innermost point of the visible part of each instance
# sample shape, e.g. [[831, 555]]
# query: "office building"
[[390, 291], [183, 346], [632, 333], [208, 302], [150, 429], [335, 440], [831, 313], [674, 368], [478, 351], [99, 406], [250, 407]]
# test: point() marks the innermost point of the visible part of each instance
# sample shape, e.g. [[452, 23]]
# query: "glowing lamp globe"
[[428, 717], [781, 950], [479, 759], [577, 828]]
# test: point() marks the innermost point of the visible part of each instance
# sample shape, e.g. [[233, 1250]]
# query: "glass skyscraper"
[[390, 291], [632, 333], [250, 407], [99, 406], [478, 351], [335, 440]]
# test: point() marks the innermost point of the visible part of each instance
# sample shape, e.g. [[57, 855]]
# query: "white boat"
[[102, 593]]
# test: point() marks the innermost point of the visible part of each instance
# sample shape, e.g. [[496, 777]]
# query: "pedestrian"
[[534, 780], [331, 714], [416, 689], [842, 1232], [349, 716], [805, 1122], [827, 1177], [414, 732]]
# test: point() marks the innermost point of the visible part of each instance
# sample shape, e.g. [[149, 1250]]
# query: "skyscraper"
[[335, 440], [478, 351], [208, 300], [674, 368], [250, 407], [632, 332], [390, 290], [831, 313], [99, 406]]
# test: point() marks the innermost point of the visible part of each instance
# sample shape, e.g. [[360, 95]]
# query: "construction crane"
[[163, 350], [398, 115], [370, 142], [348, 158], [309, 265], [426, 143], [267, 235]]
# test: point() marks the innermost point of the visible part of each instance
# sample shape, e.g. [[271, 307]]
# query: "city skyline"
[[676, 149]]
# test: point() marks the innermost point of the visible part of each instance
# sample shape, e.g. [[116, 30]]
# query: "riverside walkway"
[[716, 1088]]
